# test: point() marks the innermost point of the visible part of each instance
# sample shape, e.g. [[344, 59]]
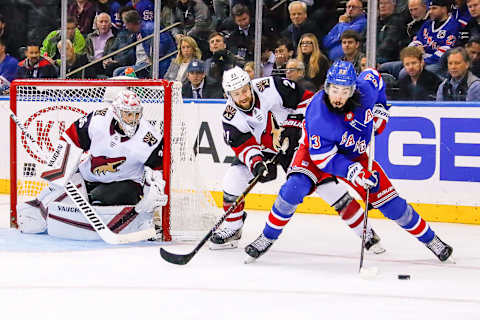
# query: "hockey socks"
[[291, 194], [278, 217], [235, 218], [351, 213], [399, 210]]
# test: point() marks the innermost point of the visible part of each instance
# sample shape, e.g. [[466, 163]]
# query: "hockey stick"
[[85, 208], [371, 154], [185, 258]]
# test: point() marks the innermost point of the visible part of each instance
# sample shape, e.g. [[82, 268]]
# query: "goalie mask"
[[236, 84], [128, 111], [340, 84]]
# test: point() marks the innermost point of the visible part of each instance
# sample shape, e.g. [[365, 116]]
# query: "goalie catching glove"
[[359, 176], [380, 118], [154, 196]]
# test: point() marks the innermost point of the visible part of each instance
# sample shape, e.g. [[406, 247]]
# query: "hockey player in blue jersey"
[[336, 132]]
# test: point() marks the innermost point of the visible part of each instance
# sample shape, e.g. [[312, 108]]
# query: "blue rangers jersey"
[[144, 9], [436, 41], [336, 139]]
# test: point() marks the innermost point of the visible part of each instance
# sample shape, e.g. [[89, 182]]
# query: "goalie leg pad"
[[31, 217]]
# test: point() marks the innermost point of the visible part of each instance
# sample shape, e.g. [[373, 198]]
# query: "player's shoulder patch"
[[263, 84], [101, 112], [229, 112], [150, 139]]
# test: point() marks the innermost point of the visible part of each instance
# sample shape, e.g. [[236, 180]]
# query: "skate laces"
[[436, 245], [262, 242], [226, 233]]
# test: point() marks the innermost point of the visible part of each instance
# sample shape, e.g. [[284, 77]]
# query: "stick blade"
[[180, 259]]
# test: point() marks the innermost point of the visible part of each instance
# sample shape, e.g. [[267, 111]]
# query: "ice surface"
[[311, 272]]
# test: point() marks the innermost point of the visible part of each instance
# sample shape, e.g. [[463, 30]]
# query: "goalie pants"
[[118, 193]]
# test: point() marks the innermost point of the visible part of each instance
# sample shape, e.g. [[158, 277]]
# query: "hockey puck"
[[404, 277]]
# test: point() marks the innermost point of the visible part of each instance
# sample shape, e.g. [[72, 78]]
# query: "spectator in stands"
[[84, 12], [391, 32], [316, 63], [351, 41], [100, 41], [6, 38], [354, 18], [300, 22], [460, 13], [112, 7], [75, 61], [461, 84], [241, 41], [472, 29], [417, 83], [250, 69], [34, 66], [139, 57], [8, 67], [196, 87], [284, 51], [267, 57], [473, 50], [144, 8], [195, 18], [221, 58], [437, 35], [419, 13], [49, 48], [187, 51], [296, 72], [363, 63]]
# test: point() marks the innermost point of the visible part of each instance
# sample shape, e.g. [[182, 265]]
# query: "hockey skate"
[[257, 248], [226, 237], [442, 250], [372, 243]]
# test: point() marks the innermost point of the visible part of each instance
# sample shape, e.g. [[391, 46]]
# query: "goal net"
[[48, 107]]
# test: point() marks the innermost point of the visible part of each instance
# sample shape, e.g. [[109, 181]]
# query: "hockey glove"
[[266, 170], [380, 118], [359, 176]]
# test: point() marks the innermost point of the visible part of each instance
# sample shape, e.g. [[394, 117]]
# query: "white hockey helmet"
[[125, 104], [234, 79]]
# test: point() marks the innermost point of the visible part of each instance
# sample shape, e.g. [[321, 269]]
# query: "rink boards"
[[431, 151]]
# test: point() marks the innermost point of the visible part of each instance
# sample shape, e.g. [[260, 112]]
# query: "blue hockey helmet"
[[342, 73]]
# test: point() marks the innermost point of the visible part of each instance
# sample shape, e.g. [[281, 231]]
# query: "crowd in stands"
[[425, 50]]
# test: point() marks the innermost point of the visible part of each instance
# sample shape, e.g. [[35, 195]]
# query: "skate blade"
[[450, 260], [229, 245], [377, 249], [249, 259]]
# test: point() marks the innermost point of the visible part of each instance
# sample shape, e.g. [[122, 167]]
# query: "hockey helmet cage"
[[127, 101]]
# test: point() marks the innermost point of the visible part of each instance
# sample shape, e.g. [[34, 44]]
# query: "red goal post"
[[47, 107]]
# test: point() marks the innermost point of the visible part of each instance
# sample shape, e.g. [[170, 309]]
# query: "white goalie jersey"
[[112, 156]]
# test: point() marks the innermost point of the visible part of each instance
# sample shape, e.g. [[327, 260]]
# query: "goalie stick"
[[85, 208], [371, 153], [182, 259]]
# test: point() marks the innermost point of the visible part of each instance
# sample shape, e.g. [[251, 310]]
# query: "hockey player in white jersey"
[[260, 115], [120, 151]]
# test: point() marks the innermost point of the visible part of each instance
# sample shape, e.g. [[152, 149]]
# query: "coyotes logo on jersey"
[[102, 165], [263, 84], [150, 139]]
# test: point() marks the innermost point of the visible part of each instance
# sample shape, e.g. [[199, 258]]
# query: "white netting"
[[47, 110]]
